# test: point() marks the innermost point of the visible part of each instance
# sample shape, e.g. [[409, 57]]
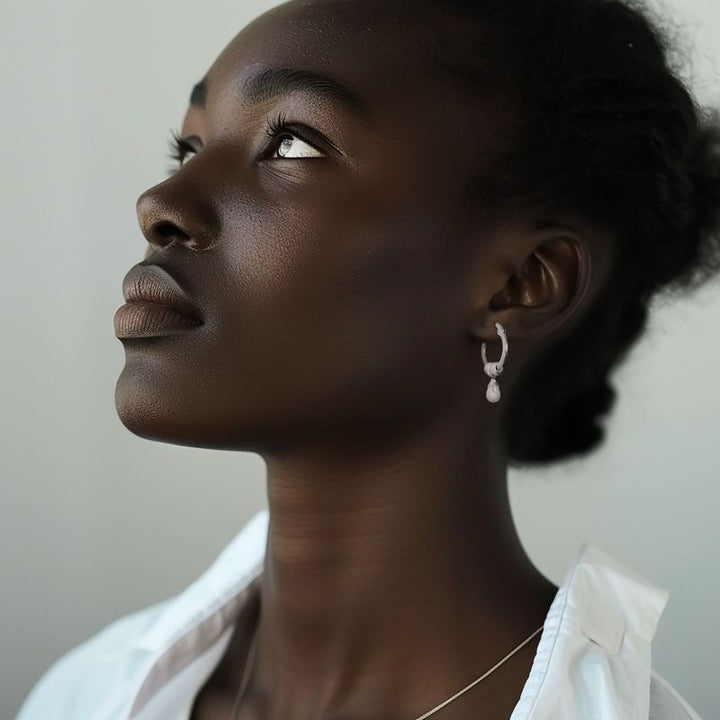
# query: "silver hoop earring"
[[493, 369]]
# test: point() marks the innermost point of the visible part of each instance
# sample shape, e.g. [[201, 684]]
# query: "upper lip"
[[154, 284]]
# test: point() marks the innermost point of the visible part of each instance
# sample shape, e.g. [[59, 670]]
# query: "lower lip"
[[145, 319]]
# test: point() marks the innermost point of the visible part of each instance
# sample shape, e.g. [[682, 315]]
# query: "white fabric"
[[593, 660]]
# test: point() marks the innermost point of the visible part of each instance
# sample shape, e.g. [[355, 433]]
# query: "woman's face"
[[331, 265]]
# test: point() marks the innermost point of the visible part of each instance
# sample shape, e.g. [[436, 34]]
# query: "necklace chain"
[[251, 657]]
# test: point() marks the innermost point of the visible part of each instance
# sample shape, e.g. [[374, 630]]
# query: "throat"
[[392, 645], [406, 688]]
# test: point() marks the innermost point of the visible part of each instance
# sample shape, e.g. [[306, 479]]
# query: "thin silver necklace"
[[251, 657]]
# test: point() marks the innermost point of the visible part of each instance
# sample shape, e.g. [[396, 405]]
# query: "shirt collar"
[[236, 566], [594, 655], [593, 658]]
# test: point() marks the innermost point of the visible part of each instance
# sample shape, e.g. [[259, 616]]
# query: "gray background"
[[97, 522]]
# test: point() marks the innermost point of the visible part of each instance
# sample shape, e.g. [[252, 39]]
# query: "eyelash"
[[179, 148], [275, 127]]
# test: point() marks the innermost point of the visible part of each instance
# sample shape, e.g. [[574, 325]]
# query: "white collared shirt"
[[593, 659]]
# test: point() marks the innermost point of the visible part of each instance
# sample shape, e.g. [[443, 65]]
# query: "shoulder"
[[109, 667], [666, 703], [76, 684]]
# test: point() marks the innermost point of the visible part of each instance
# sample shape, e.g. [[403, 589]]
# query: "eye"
[[179, 150], [291, 142], [292, 146]]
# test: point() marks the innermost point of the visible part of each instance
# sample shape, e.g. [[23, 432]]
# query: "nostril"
[[165, 232]]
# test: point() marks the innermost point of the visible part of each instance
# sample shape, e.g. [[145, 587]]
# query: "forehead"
[[353, 39], [397, 57]]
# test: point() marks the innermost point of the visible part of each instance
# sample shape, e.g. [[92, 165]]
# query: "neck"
[[393, 576]]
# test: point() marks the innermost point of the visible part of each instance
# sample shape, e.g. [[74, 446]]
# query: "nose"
[[165, 216], [160, 223]]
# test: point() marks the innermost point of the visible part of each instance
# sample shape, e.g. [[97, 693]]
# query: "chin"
[[169, 411], [151, 409], [140, 414]]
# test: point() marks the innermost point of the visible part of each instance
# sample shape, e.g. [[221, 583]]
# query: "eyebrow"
[[272, 82]]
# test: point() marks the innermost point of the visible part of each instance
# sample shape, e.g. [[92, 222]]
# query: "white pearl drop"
[[493, 391]]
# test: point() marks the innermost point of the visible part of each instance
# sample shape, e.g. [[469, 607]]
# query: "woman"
[[404, 247]]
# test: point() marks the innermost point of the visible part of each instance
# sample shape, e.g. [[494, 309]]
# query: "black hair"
[[610, 132]]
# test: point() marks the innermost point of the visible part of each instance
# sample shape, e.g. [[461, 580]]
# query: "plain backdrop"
[[97, 522]]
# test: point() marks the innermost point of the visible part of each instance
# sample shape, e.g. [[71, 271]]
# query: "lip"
[[155, 304]]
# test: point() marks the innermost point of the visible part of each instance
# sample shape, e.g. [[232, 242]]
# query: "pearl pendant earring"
[[493, 369]]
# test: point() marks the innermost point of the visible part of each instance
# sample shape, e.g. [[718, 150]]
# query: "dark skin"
[[346, 289]]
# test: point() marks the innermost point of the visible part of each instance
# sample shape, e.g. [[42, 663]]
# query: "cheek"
[[343, 313]]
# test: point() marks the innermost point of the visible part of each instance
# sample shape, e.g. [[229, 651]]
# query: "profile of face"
[[320, 223]]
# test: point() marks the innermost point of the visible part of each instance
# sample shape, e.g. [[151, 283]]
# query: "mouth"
[[155, 305]]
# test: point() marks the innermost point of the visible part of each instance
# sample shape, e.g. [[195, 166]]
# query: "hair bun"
[[703, 167], [702, 233]]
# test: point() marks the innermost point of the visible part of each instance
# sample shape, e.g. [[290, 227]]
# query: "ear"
[[542, 289]]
